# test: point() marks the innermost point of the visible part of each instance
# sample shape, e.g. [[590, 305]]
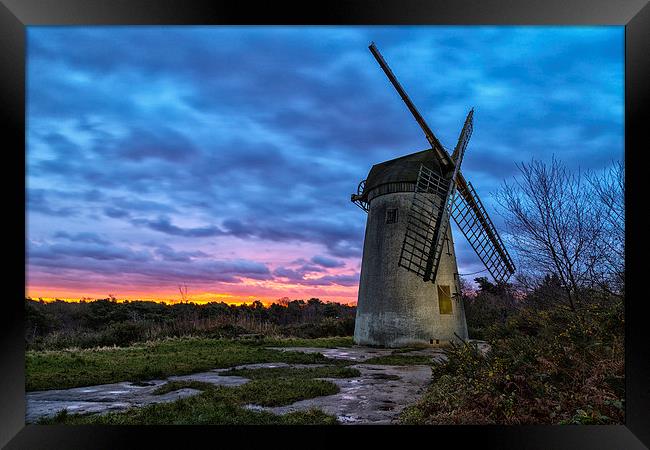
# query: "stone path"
[[377, 396], [365, 353], [105, 398]]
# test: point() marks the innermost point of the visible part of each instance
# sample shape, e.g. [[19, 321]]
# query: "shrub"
[[550, 366], [327, 327]]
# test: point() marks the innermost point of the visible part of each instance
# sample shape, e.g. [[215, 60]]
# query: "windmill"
[[409, 290]]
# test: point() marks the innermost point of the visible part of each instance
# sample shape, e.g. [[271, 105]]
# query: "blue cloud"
[[86, 253], [327, 262], [164, 225], [186, 136]]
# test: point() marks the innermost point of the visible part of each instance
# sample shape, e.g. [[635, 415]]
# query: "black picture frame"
[[15, 15]]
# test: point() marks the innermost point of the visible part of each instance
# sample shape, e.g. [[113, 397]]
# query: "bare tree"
[[554, 224], [609, 189], [182, 288], [466, 288]]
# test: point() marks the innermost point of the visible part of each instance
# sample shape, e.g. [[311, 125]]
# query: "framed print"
[[420, 216]]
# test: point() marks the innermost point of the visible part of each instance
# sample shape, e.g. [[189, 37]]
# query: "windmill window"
[[444, 299], [391, 215]]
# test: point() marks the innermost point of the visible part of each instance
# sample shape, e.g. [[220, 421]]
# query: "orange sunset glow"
[[267, 295]]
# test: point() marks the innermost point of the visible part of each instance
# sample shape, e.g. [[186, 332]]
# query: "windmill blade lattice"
[[469, 214], [426, 217]]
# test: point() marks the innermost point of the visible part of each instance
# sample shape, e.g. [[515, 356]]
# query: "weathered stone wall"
[[395, 307]]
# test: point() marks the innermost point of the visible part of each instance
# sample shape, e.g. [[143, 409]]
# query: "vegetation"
[[328, 342], [570, 226], [488, 306], [284, 391], [208, 409], [60, 369], [544, 367], [219, 405], [293, 373], [172, 386], [106, 322]]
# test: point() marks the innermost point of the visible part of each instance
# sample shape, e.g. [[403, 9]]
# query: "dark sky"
[[224, 157]]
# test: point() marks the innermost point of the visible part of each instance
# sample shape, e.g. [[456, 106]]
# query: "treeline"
[[105, 322]]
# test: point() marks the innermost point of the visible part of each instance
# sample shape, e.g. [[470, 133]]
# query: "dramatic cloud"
[[164, 225], [225, 157], [327, 262], [150, 267]]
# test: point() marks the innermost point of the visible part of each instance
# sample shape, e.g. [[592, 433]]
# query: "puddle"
[[383, 376], [347, 419]]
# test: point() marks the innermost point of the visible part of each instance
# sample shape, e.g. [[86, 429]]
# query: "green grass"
[[207, 413], [326, 342], [64, 369], [220, 405], [288, 372], [284, 391], [172, 386]]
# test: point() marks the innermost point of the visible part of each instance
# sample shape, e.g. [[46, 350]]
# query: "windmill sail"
[[469, 214], [436, 197], [471, 217], [428, 217], [440, 152], [475, 224], [425, 218]]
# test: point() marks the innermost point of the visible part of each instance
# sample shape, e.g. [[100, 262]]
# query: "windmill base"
[[397, 331]]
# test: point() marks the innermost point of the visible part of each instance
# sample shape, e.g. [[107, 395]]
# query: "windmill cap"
[[404, 169]]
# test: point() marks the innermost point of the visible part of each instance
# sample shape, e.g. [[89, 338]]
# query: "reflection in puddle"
[[347, 419]]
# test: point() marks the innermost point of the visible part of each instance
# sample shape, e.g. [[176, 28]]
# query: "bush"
[[228, 330], [327, 327], [115, 334], [124, 333], [550, 366]]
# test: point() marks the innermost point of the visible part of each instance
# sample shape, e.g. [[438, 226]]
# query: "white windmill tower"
[[409, 291]]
